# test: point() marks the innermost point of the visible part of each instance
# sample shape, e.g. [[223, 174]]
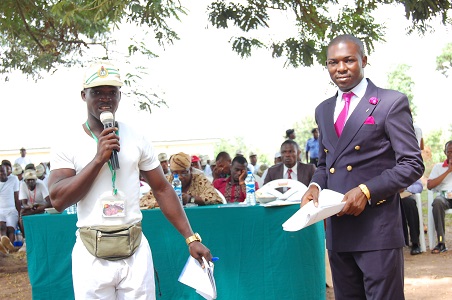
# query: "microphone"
[[108, 120]]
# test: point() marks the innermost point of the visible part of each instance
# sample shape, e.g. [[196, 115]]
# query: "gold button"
[[349, 168], [326, 150], [332, 170], [357, 148]]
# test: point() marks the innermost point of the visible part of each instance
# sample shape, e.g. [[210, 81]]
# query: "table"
[[258, 260]]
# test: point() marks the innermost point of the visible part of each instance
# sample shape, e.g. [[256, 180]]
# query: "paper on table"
[[279, 202], [329, 204], [200, 279]]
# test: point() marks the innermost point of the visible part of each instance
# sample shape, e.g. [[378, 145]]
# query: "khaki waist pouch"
[[111, 242]]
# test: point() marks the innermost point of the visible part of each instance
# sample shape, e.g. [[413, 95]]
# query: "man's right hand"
[[312, 194]]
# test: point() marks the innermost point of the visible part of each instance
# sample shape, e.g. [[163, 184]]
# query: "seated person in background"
[[41, 174], [290, 168], [212, 165], [411, 216], [163, 158], [196, 162], [233, 188], [278, 158], [440, 181], [34, 196], [222, 165], [18, 171], [9, 209], [206, 167], [259, 173], [9, 167], [196, 188]]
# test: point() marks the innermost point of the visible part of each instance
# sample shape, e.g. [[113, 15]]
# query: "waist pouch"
[[111, 242]]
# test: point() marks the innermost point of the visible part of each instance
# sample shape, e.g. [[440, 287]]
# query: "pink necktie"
[[340, 122], [289, 174]]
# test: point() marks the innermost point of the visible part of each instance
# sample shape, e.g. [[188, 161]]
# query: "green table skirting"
[[258, 260]]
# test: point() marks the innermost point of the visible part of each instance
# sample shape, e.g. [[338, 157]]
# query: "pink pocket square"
[[369, 120]]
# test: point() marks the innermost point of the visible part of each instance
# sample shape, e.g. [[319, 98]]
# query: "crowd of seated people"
[[23, 191]]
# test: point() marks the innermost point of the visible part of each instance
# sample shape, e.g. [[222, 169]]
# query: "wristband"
[[193, 238], [365, 190]]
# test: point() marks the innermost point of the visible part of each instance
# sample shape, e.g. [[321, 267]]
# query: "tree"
[[317, 22], [238, 143], [43, 34], [444, 60], [303, 132], [399, 80]]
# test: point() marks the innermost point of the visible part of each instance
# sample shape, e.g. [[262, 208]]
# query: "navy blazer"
[[385, 156]]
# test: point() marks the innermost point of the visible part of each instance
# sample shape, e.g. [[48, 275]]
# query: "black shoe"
[[415, 250], [440, 248]]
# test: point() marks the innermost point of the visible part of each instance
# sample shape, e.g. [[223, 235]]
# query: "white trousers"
[[130, 278]]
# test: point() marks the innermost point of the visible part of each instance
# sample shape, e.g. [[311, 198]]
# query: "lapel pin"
[[367, 110]]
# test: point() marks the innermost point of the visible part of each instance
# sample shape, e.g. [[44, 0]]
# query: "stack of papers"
[[330, 203], [200, 279]]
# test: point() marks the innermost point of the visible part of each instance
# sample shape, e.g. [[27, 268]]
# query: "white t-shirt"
[[446, 184], [136, 154], [23, 161], [7, 190], [37, 196]]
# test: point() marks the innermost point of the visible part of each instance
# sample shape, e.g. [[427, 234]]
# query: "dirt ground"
[[426, 275]]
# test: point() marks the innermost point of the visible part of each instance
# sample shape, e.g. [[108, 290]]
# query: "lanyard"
[[113, 172], [32, 199]]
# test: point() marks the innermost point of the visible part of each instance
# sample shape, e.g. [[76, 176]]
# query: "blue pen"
[[214, 259]]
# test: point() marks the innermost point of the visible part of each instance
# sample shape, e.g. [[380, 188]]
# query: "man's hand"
[[311, 194], [242, 176], [107, 142], [355, 202], [198, 250]]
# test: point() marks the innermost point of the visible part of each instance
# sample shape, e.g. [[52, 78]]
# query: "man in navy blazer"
[[290, 152], [374, 157]]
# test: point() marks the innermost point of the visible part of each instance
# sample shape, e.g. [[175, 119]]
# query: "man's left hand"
[[198, 250], [355, 202]]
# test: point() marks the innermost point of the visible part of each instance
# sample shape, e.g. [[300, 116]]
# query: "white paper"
[[200, 279], [330, 203], [279, 202]]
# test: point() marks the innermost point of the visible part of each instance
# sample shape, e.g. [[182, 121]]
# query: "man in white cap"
[[253, 165], [41, 174], [34, 197], [163, 158], [18, 171], [81, 175], [9, 209]]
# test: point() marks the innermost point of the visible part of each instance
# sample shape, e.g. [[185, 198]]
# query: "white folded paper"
[[200, 279], [330, 203]]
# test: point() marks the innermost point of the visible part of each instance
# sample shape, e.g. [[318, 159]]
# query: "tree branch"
[[28, 27]]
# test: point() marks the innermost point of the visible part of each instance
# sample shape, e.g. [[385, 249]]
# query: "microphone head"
[[107, 117]]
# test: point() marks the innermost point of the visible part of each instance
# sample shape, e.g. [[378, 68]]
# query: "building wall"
[[192, 147]]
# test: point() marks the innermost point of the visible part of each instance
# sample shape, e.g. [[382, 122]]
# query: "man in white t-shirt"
[[23, 160], [34, 196], [9, 208], [81, 174], [440, 180]]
